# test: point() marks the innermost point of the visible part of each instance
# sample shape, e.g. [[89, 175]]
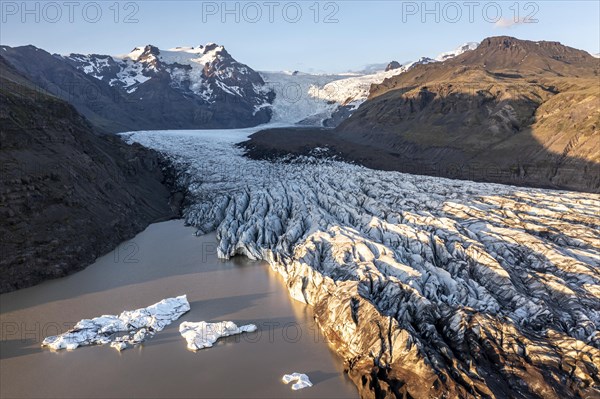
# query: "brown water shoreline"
[[163, 261]]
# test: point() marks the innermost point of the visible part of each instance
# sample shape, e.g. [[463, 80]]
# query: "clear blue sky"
[[358, 32]]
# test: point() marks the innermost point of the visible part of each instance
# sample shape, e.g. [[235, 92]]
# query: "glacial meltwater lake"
[[167, 260]]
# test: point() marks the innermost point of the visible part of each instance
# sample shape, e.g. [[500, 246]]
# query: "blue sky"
[[304, 35]]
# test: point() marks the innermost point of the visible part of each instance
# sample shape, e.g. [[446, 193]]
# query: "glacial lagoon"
[[167, 260]]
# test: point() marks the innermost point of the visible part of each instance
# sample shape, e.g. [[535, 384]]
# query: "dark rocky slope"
[[67, 195], [511, 111]]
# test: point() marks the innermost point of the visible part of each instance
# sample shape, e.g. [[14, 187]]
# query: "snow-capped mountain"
[[196, 87], [208, 72], [199, 87], [341, 95]]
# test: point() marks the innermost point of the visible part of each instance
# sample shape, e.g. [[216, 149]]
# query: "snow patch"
[[458, 51]]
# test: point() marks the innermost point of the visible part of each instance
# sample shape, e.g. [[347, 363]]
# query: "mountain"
[[392, 65], [194, 87], [67, 194], [149, 88], [525, 111], [512, 111]]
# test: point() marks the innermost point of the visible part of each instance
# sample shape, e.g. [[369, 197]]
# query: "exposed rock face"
[[392, 65], [67, 195], [201, 87], [427, 287]]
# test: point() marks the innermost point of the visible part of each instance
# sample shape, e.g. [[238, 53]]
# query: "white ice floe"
[[302, 380], [203, 335], [402, 266], [139, 324], [118, 345]]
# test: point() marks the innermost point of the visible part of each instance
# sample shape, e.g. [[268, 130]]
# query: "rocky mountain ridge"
[[527, 110], [149, 88]]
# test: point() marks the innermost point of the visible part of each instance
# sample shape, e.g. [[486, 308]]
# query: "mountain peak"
[[526, 56], [143, 51], [542, 47], [392, 65]]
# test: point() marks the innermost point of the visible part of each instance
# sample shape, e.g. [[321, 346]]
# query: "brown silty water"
[[164, 261]]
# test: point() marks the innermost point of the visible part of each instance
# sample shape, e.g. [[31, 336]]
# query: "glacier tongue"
[[426, 286], [139, 324]]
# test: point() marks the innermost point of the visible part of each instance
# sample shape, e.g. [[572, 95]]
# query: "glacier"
[[311, 99], [138, 325], [202, 335], [294, 101], [426, 286]]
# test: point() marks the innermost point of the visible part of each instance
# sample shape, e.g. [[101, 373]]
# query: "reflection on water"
[[164, 261]]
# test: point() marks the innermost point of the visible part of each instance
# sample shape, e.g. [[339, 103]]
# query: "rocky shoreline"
[[68, 194], [78, 243]]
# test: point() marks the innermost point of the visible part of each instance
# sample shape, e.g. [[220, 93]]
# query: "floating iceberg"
[[203, 335], [139, 324], [302, 380]]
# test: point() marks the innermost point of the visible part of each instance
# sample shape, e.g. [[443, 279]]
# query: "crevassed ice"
[[138, 324], [438, 270]]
